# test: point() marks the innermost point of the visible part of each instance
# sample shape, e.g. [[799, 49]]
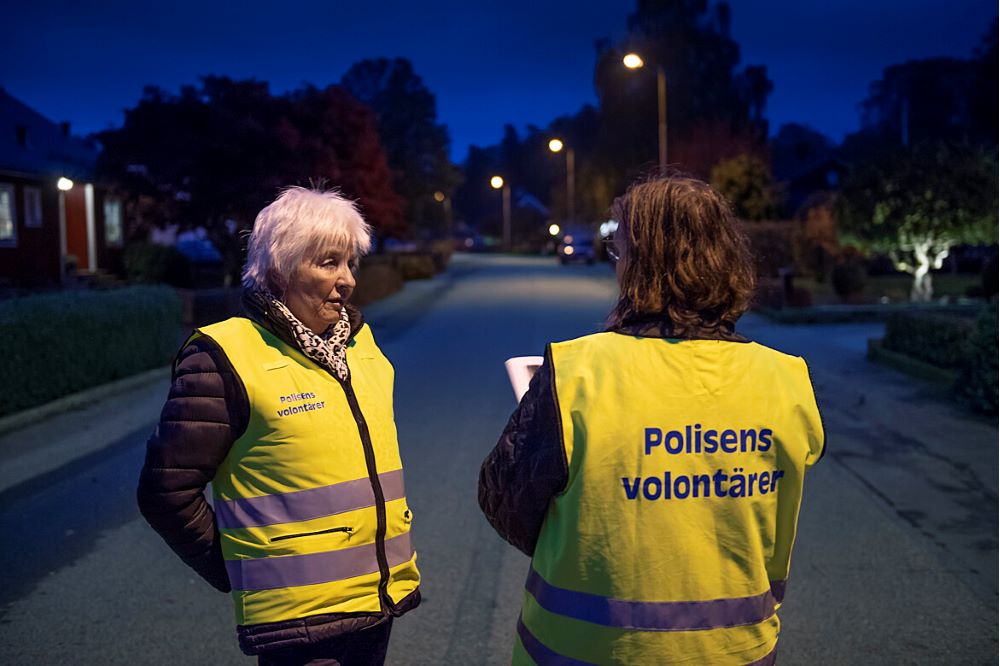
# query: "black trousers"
[[360, 648]]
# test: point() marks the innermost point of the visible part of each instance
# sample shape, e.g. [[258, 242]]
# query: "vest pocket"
[[347, 530]]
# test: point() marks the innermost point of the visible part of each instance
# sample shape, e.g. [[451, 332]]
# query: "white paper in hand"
[[520, 369]]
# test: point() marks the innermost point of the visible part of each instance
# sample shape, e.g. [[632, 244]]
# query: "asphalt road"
[[896, 561]]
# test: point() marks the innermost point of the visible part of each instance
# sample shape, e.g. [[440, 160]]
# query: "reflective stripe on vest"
[[652, 615], [295, 498], [543, 656], [672, 539], [269, 573], [308, 504]]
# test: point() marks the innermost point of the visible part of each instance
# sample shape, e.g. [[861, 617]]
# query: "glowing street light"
[[633, 61], [496, 182], [64, 184], [554, 230], [555, 145]]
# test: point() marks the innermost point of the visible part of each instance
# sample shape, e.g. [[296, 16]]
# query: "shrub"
[[441, 253], [150, 263], [815, 242], [377, 278], [771, 244], [850, 275], [940, 340], [977, 385], [57, 344], [415, 266]]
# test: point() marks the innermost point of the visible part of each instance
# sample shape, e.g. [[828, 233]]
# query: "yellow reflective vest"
[[309, 501], [671, 541]]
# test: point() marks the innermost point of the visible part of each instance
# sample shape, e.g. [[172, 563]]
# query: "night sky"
[[489, 63]]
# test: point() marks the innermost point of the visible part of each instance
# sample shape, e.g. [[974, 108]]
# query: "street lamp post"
[[633, 61], [496, 182], [445, 201], [555, 145]]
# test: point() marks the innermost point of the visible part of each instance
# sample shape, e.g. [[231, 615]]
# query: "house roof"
[[33, 145]]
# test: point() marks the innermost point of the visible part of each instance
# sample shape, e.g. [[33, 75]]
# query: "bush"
[[150, 263], [977, 385], [441, 253], [771, 244], [377, 278], [416, 266], [61, 343], [850, 275], [941, 340]]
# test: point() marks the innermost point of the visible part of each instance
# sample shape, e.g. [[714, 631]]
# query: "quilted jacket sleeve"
[[206, 411], [528, 466]]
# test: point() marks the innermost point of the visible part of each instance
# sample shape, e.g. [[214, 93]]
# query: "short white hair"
[[297, 226]]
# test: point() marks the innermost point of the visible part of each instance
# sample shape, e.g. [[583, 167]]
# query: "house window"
[[32, 207], [8, 221], [113, 222]]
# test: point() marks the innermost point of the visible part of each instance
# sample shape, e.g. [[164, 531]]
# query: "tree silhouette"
[[415, 143]]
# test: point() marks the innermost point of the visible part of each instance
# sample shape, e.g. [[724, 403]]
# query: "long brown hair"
[[686, 264]]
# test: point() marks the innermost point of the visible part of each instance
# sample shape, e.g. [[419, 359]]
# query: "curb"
[[19, 420]]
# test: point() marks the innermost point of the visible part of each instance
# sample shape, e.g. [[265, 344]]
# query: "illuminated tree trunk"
[[925, 255]]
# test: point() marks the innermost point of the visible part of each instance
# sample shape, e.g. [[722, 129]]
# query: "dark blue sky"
[[489, 63]]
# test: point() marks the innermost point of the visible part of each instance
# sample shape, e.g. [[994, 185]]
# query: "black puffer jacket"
[[206, 411], [528, 466]]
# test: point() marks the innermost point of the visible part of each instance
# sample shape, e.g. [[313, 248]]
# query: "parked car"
[[577, 245]]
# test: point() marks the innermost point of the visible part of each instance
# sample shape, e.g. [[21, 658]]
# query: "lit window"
[[113, 222], [32, 207], [8, 224]]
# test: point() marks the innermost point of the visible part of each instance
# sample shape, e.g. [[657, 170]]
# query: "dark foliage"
[[977, 385], [940, 340], [61, 343]]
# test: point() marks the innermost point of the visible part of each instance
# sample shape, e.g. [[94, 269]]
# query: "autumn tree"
[[916, 203], [746, 182], [213, 155]]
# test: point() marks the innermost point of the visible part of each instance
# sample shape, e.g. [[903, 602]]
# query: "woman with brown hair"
[[654, 471]]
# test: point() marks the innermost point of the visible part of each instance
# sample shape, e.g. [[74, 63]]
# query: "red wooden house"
[[54, 220]]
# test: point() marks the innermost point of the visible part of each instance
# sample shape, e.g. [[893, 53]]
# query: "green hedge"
[[60, 343], [933, 338], [963, 344], [415, 265], [977, 385]]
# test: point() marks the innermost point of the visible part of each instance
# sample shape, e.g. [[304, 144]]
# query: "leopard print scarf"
[[329, 350]]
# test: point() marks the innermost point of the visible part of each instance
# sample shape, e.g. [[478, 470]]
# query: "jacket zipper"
[[348, 530], [366, 442]]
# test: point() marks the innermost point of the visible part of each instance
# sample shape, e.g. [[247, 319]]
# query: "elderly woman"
[[287, 411], [654, 471]]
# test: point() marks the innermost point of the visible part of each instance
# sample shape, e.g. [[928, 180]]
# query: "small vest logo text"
[[303, 406]]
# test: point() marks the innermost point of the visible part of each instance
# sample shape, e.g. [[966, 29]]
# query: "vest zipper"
[[366, 442], [348, 530]]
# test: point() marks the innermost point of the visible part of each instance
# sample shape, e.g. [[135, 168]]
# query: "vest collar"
[[656, 326]]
